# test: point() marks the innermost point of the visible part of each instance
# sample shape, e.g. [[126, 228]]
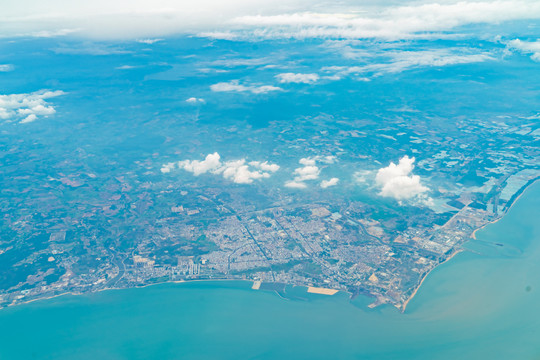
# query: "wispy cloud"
[[394, 61], [245, 61], [149, 41], [53, 33], [125, 67], [88, 48], [235, 86], [297, 78], [6, 67]]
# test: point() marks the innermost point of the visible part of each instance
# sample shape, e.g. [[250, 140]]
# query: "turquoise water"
[[483, 304]]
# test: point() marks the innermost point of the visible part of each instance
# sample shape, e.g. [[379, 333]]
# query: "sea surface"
[[482, 304]]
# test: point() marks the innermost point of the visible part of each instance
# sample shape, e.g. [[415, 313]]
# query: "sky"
[[130, 19]]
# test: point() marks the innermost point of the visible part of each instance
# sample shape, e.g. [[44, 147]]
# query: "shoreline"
[[522, 191], [120, 288], [402, 307], [307, 287], [473, 236]]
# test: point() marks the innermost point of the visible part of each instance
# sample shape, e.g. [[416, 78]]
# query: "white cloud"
[[265, 166], [309, 171], [295, 185], [362, 176], [149, 41], [28, 119], [211, 163], [139, 19], [403, 60], [399, 61], [88, 48], [125, 67], [396, 180], [297, 78], [330, 159], [237, 171], [194, 100], [388, 22], [347, 50], [307, 161], [130, 19], [526, 47], [230, 86], [328, 183], [221, 35], [6, 67], [246, 61], [166, 168], [52, 33], [235, 86], [27, 107]]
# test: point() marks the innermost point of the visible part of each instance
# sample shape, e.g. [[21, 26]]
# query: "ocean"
[[482, 304]]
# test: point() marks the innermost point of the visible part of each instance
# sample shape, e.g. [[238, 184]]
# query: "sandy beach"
[[473, 236], [404, 306], [322, 291]]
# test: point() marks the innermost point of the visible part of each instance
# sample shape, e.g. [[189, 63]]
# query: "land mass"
[[314, 245]]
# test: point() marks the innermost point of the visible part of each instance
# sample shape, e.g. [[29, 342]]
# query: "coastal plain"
[[352, 183], [478, 305]]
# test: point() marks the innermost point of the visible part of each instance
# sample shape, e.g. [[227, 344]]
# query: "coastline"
[[473, 236], [401, 307], [404, 306], [522, 191], [320, 291], [120, 288]]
